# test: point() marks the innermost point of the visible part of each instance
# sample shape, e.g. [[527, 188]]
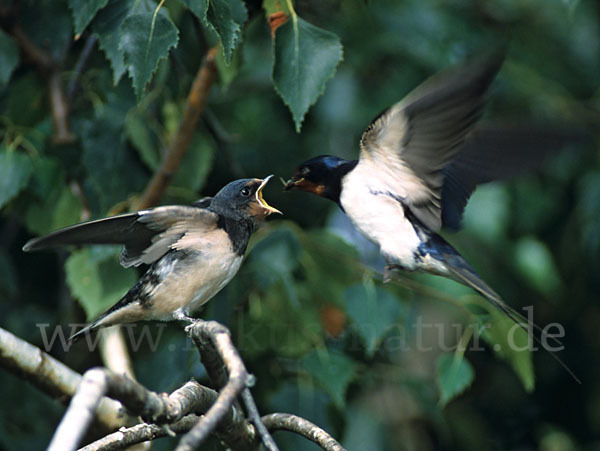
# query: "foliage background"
[[320, 335]]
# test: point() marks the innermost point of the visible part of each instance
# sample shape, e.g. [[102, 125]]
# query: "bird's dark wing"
[[410, 144], [203, 203], [494, 153], [146, 235]]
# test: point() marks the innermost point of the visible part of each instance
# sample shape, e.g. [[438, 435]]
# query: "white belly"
[[379, 217]]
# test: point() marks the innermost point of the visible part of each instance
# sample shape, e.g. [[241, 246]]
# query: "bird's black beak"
[[260, 199], [292, 183]]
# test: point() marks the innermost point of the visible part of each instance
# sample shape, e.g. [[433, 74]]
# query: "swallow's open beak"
[[261, 201]]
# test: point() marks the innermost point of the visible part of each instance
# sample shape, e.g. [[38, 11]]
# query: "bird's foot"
[[387, 272]]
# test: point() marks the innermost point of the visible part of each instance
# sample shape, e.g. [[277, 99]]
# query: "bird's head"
[[243, 199], [321, 176]]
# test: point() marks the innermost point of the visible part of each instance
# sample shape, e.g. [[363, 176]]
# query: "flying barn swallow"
[[419, 163], [193, 251]]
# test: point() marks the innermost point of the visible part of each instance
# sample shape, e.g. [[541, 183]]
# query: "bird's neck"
[[238, 230], [333, 187]]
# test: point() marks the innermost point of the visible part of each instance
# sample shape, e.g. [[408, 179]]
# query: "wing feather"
[[146, 235], [416, 138]]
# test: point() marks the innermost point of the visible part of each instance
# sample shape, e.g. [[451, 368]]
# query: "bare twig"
[[256, 420], [140, 433], [214, 342], [81, 62], [152, 407], [193, 109], [292, 423], [219, 336], [52, 377]]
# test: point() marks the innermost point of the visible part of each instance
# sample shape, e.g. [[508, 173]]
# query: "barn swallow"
[[419, 163], [193, 251]]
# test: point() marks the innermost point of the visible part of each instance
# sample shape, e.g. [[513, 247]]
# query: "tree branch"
[[59, 105], [214, 340], [193, 110], [140, 433], [293, 423], [52, 377]]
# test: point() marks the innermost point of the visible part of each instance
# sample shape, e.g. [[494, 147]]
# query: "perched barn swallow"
[[419, 163], [193, 251]]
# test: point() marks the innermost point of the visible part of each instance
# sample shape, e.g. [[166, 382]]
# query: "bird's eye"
[[245, 192]]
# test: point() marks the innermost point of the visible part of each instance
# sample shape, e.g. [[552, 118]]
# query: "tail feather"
[[467, 276]]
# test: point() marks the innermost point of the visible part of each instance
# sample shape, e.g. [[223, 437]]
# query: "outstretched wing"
[[410, 144], [494, 153], [146, 235]]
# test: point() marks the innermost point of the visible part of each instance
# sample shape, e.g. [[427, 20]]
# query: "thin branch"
[[213, 338], [81, 62], [152, 407], [52, 377], [193, 109], [293, 423], [256, 420], [59, 105], [237, 382], [140, 433]]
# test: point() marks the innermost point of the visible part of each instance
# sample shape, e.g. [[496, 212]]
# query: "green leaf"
[[509, 342], [107, 27], [139, 135], [453, 376], [536, 264], [146, 39], [225, 17], [15, 170], [84, 11], [197, 163], [332, 371], [97, 280], [113, 172], [9, 57], [373, 311], [54, 205], [305, 58]]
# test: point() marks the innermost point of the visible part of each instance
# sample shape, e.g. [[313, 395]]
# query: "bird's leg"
[[181, 315]]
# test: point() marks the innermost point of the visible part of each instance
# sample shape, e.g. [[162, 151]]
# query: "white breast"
[[378, 216], [197, 278]]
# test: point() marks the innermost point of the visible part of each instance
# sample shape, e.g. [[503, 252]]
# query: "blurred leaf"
[[15, 170], [374, 312], [146, 39], [51, 204], [305, 57], [197, 163], [84, 11], [139, 135], [453, 376], [98, 283], [487, 212], [509, 342], [534, 261], [224, 17], [9, 57], [228, 70], [113, 173], [332, 371]]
